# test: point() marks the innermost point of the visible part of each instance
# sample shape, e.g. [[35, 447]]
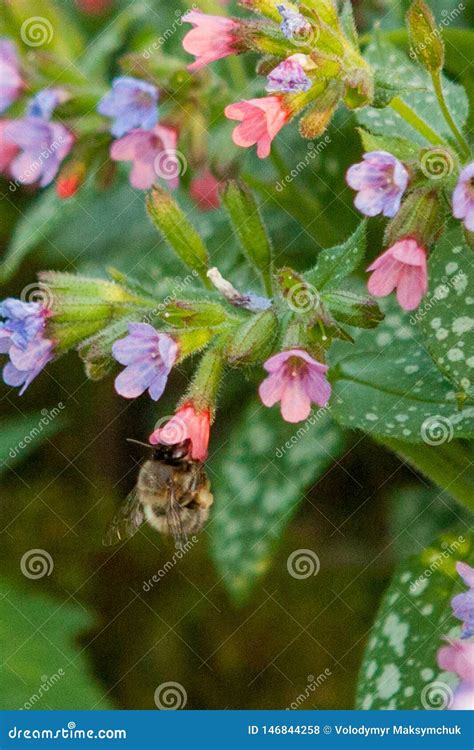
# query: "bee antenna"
[[139, 442]]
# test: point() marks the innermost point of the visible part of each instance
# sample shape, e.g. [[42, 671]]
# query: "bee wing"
[[126, 521], [174, 520]]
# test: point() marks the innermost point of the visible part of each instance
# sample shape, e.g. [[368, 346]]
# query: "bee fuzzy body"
[[172, 495]]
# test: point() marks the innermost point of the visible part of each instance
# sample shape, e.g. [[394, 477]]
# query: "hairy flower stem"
[[464, 149], [408, 114]]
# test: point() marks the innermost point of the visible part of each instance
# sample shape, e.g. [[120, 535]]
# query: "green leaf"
[[388, 386], [388, 60], [109, 40], [32, 229], [171, 221], [448, 464], [248, 226], [43, 665], [399, 147], [41, 23], [258, 478], [417, 515], [348, 23], [20, 436], [399, 670], [446, 315], [335, 263]]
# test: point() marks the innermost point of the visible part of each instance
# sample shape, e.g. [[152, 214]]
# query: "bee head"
[[171, 454]]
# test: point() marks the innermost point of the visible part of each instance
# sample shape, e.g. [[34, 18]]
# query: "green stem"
[[410, 116], [438, 88], [448, 465]]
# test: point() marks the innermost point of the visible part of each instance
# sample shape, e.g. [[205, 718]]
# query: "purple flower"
[[43, 146], [45, 102], [293, 23], [463, 604], [288, 77], [463, 197], [22, 338], [132, 103], [381, 179], [148, 356], [153, 155], [297, 380], [10, 79]]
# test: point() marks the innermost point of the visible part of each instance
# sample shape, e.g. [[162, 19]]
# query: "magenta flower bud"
[[402, 266], [212, 38], [148, 357], [296, 380], [132, 103], [463, 197], [381, 179], [22, 338], [188, 424]]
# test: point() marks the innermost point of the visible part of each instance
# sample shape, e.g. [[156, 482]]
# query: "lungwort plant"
[[312, 344]]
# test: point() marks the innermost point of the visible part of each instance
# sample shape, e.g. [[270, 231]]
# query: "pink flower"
[[261, 120], [458, 657], [212, 38], [42, 148], [463, 699], [297, 380], [153, 154], [463, 197], [8, 149], [11, 83], [402, 266], [186, 424], [204, 190]]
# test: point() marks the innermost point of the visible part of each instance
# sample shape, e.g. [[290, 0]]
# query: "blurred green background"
[[92, 619]]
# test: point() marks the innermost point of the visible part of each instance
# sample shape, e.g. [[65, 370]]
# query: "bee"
[[172, 495]]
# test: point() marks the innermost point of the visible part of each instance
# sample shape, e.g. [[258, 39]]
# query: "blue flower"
[[380, 180], [22, 338], [132, 103], [45, 102], [148, 357], [463, 604]]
